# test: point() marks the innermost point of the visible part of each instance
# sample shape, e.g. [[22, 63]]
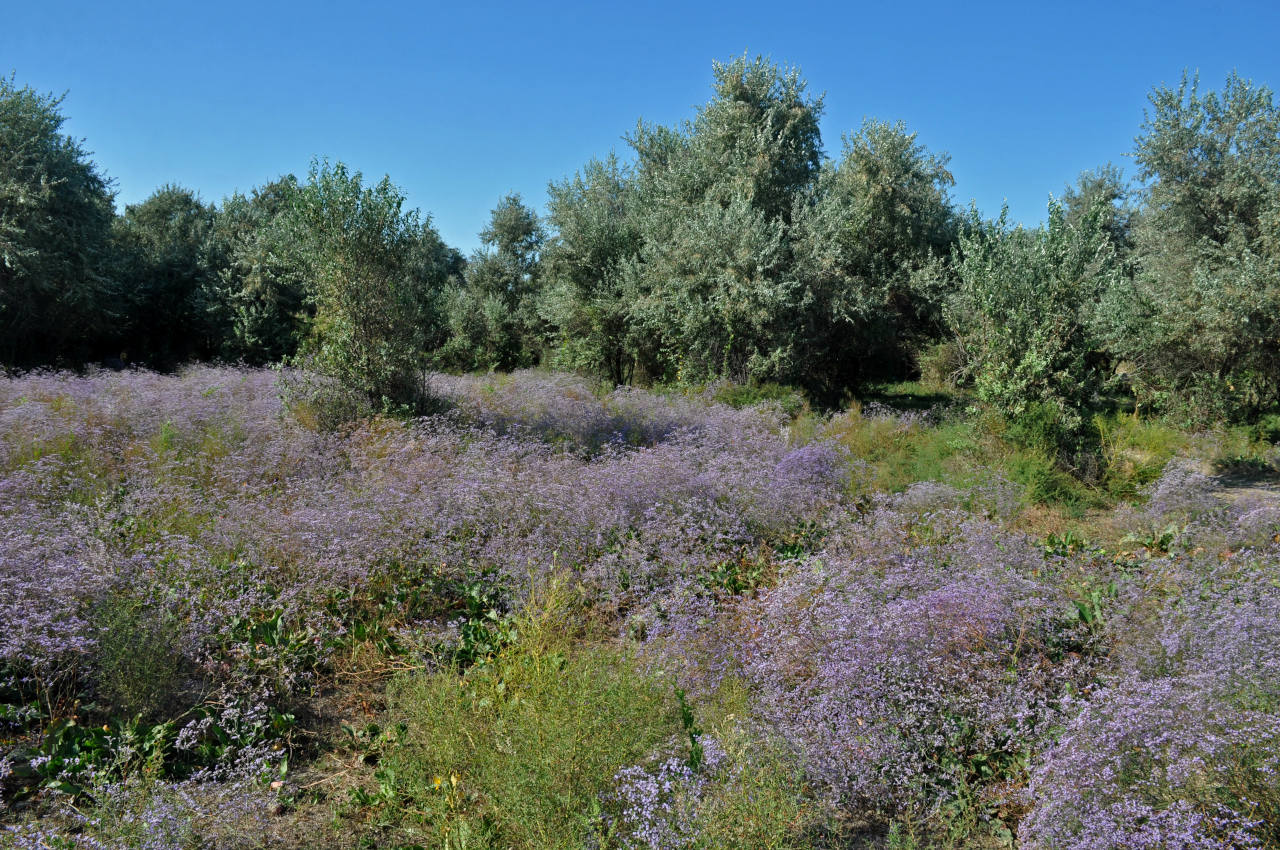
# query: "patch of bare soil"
[[1250, 487]]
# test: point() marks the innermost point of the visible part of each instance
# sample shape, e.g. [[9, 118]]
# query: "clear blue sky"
[[461, 103]]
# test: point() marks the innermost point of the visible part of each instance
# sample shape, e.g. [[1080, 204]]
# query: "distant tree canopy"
[[874, 220], [166, 267], [264, 289], [56, 295], [733, 249], [588, 295], [493, 319], [728, 246]]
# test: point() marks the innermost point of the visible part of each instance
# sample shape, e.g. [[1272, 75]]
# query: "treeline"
[[729, 246]]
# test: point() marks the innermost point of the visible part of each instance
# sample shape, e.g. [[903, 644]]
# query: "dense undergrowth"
[[548, 616]]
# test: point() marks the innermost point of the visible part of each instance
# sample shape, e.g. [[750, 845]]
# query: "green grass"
[[791, 400], [960, 450], [759, 797], [518, 752], [523, 751], [1136, 449], [966, 446]]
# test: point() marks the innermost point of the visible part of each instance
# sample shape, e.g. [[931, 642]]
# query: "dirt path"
[[1254, 489]]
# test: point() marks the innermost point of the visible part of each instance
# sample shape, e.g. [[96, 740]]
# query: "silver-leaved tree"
[[1200, 321]]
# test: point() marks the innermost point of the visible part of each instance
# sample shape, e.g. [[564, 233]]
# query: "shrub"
[[941, 365], [912, 682], [1181, 748], [139, 662], [1023, 314], [746, 790], [142, 814], [791, 400], [319, 402]]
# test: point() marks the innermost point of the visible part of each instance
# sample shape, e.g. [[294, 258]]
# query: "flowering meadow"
[[549, 616]]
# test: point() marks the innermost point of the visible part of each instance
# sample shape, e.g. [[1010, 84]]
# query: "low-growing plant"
[[318, 402], [1267, 428], [141, 668], [901, 660], [518, 752], [749, 790], [942, 365], [743, 574], [791, 400], [485, 627], [929, 664], [143, 813], [1046, 481]]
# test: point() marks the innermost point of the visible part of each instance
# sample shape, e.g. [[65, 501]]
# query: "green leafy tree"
[[1024, 313], [1103, 186], [1199, 325], [167, 265], [587, 300], [717, 294], [875, 220], [729, 250], [493, 317], [378, 273], [756, 140], [56, 295], [264, 286]]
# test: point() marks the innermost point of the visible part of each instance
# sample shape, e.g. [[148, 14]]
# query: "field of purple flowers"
[[550, 617]]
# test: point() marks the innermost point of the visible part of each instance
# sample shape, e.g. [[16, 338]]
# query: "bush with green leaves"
[[1200, 322], [729, 250], [1104, 187], [520, 750], [1023, 313], [723, 303], [140, 670]]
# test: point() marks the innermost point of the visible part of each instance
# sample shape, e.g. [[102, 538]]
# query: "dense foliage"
[[588, 297], [1199, 319], [377, 273], [56, 295], [263, 286], [362, 600], [869, 230], [728, 246], [493, 321], [1023, 312], [165, 261]]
